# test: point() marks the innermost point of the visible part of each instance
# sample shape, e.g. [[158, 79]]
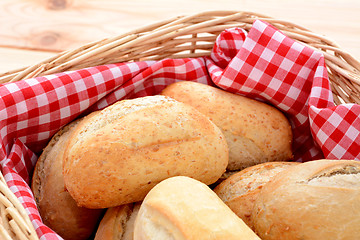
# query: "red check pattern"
[[262, 64]]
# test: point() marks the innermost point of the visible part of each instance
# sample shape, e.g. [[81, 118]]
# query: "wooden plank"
[[14, 58], [57, 25]]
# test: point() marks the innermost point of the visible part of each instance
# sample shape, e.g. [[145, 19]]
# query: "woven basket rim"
[[180, 37], [193, 36]]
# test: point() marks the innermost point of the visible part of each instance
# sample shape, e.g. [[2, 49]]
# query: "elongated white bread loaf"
[[240, 190], [118, 223], [57, 208], [115, 157], [313, 200], [256, 132], [182, 208]]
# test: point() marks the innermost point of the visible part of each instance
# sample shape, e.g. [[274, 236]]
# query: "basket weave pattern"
[[14, 221], [194, 36]]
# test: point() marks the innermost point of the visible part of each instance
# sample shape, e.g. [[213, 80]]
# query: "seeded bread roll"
[[256, 132], [118, 155], [118, 223], [241, 189], [182, 208], [313, 200], [57, 208]]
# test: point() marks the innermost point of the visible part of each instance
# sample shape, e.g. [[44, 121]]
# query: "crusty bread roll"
[[182, 208], [313, 200], [118, 223], [241, 189], [255, 132], [118, 155], [57, 208]]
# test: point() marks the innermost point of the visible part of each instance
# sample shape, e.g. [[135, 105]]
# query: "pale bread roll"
[[256, 132], [182, 208], [241, 189], [56, 207], [118, 155], [118, 223], [313, 200]]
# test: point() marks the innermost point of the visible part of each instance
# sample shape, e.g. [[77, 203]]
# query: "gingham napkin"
[[263, 64]]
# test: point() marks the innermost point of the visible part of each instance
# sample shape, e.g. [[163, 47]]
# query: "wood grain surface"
[[32, 30]]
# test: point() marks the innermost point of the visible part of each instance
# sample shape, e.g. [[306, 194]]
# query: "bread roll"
[[182, 208], [118, 223], [118, 155], [57, 208], [241, 189], [313, 200], [255, 132]]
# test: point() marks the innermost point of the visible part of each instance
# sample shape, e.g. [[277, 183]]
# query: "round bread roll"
[[118, 223], [182, 208], [255, 132], [313, 200], [56, 207], [241, 189], [118, 155]]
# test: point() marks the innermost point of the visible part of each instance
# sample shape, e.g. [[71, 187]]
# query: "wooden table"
[[33, 30]]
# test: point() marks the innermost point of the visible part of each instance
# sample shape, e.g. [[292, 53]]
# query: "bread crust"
[[255, 132], [313, 200], [117, 156], [57, 208], [118, 223], [241, 189], [182, 208]]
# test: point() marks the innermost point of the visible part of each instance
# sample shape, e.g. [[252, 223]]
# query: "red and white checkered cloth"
[[262, 64]]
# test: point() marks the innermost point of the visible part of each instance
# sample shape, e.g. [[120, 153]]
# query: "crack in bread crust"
[[117, 111]]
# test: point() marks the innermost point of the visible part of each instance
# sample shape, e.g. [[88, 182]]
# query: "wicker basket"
[[14, 221], [194, 36], [180, 37]]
